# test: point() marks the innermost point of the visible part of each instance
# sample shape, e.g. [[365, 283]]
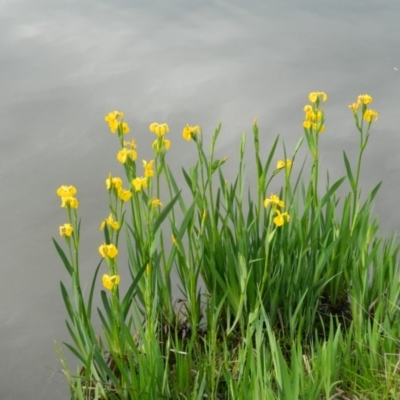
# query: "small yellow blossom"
[[313, 118], [148, 168], [365, 99], [124, 153], [108, 250], [156, 202], [282, 164], [124, 195], [131, 144], [159, 129], [66, 191], [69, 202], [361, 100], [161, 143], [139, 183], [66, 230], [279, 220], [112, 119], [166, 144], [125, 128], [189, 131], [370, 114], [274, 200], [110, 281], [113, 182], [313, 96], [110, 222], [354, 106]]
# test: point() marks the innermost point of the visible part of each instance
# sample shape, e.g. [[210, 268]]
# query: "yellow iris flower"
[[125, 128], [108, 250], [69, 202], [109, 282], [159, 129], [156, 202], [282, 164], [274, 200], [131, 144], [66, 191], [148, 168], [124, 153], [139, 183], [313, 96], [114, 120], [279, 220], [189, 131], [124, 195], [370, 114], [365, 99], [361, 100], [113, 182], [110, 222], [66, 230], [161, 143]]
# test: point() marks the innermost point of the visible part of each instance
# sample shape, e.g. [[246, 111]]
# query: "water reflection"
[[66, 64]]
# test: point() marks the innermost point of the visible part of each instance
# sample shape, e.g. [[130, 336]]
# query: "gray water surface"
[[64, 65]]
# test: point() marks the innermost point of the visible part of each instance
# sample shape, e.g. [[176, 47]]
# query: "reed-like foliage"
[[283, 296]]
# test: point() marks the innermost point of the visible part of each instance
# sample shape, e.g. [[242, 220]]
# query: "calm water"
[[64, 65]]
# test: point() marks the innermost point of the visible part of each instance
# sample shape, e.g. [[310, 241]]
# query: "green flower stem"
[[271, 230], [363, 144], [73, 249], [137, 218]]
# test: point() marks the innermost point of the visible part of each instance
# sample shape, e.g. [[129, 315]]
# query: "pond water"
[[64, 65]]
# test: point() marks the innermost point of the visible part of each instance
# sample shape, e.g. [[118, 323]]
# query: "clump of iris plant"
[[285, 289]]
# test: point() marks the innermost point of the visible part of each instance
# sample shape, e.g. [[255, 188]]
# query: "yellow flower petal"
[[66, 191], [156, 203], [122, 155], [109, 282], [189, 131], [167, 144], [370, 114], [66, 230], [108, 250], [125, 128], [110, 222], [365, 99], [313, 96], [69, 202], [139, 183], [131, 144], [148, 168], [274, 200], [124, 195], [113, 182], [279, 220], [159, 129], [280, 164]]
